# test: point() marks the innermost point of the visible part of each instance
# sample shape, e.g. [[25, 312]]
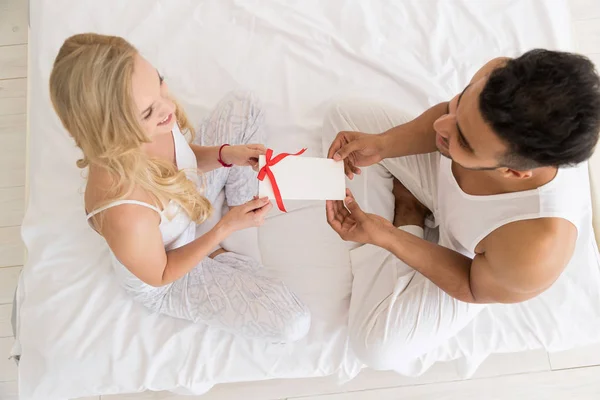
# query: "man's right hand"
[[355, 225], [357, 149]]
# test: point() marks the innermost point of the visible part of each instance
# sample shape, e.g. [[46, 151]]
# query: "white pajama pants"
[[396, 314]]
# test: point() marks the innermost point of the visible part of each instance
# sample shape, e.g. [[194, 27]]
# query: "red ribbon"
[[266, 171]]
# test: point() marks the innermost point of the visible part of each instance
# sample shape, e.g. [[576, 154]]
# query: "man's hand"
[[356, 225], [357, 149]]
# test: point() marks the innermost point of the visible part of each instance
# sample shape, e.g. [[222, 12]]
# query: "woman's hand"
[[243, 155], [355, 225], [357, 149], [251, 214]]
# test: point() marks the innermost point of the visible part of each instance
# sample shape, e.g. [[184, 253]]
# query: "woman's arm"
[[132, 232], [207, 157]]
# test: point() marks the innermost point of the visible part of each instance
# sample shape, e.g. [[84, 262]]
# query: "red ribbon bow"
[[266, 171]]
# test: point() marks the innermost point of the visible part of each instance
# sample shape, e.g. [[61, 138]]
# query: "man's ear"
[[515, 174]]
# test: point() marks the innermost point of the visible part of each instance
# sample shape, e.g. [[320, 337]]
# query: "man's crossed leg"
[[396, 314]]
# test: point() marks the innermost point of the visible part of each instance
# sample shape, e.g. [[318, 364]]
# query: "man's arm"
[[418, 135], [414, 137], [515, 263]]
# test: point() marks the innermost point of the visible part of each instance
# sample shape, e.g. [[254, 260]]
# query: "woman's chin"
[[162, 129]]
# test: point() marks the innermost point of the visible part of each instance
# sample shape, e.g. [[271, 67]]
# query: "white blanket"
[[80, 335]]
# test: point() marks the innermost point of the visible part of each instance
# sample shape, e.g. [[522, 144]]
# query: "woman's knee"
[[248, 112], [248, 99], [296, 326]]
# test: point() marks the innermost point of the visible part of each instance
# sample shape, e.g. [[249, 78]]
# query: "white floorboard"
[[580, 384], [12, 204], [12, 249], [13, 22], [575, 358], [12, 162], [13, 96], [9, 391], [13, 123], [13, 61], [8, 282], [5, 327], [513, 363], [8, 368]]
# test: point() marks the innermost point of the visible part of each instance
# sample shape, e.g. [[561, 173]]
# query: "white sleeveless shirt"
[[465, 219], [176, 227]]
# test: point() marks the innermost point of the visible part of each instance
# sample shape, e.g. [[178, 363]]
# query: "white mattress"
[[79, 335]]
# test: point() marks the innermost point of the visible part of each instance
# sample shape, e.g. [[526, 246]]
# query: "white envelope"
[[305, 178]]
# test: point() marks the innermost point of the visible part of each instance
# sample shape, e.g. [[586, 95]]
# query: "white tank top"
[[176, 227], [465, 219]]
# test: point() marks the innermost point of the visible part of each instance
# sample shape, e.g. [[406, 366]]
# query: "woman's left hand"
[[243, 155]]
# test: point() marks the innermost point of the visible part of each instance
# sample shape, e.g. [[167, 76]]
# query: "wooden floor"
[[532, 375]]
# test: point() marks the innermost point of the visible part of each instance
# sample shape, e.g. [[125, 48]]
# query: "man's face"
[[464, 136]]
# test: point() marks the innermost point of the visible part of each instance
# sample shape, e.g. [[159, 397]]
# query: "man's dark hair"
[[546, 106]]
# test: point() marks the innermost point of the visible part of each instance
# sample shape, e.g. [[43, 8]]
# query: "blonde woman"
[[144, 195]]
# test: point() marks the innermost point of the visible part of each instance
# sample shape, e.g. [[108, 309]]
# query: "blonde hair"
[[91, 91]]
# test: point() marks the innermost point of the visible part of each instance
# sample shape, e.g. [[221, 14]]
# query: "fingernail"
[[337, 157], [349, 200]]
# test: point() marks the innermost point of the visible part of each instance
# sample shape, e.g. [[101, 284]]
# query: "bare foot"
[[217, 252], [408, 210]]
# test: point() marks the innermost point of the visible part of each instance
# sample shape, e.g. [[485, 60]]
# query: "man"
[[499, 168]]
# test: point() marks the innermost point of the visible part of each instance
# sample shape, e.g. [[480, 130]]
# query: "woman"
[[143, 195]]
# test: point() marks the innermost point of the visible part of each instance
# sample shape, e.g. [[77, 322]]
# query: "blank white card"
[[305, 178]]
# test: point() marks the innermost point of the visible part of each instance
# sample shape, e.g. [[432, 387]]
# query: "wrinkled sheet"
[[80, 335]]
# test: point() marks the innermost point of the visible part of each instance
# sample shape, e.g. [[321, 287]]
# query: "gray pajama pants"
[[231, 291]]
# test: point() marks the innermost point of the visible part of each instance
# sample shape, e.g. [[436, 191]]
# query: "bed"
[[79, 335]]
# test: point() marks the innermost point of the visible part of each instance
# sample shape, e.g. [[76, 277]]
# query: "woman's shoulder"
[[100, 193]]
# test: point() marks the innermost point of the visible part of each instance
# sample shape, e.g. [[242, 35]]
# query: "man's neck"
[[492, 182], [540, 177]]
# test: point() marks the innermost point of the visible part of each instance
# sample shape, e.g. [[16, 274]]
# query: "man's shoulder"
[[538, 248], [533, 234]]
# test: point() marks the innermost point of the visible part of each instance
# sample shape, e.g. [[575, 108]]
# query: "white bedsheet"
[[80, 335]]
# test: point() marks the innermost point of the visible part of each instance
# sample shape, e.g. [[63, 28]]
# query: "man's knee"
[[339, 112], [389, 344], [379, 353], [340, 115], [339, 107], [354, 112]]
